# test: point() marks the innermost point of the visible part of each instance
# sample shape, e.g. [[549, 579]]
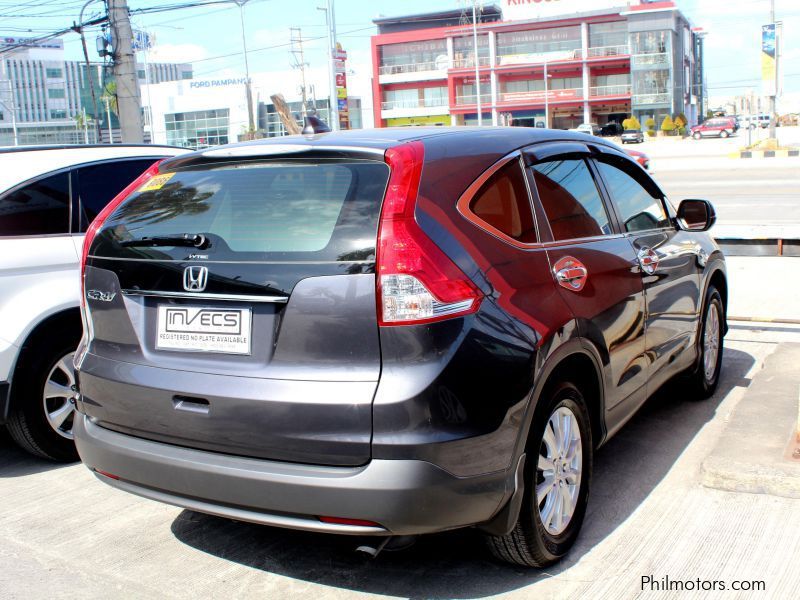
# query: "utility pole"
[[129, 102], [333, 101], [477, 63], [248, 85], [300, 62]]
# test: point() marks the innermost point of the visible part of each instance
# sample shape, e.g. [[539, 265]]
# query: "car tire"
[[723, 134], [48, 372], [538, 538], [703, 380], [697, 136]]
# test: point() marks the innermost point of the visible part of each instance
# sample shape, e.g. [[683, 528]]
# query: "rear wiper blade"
[[196, 240]]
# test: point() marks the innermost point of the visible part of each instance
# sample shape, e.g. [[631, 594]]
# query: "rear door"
[[595, 267], [260, 341]]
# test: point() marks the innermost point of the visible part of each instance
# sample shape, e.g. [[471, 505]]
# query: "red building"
[[600, 63]]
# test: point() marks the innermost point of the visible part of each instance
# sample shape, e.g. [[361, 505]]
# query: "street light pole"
[[546, 99], [772, 98], [477, 65], [248, 86], [333, 108]]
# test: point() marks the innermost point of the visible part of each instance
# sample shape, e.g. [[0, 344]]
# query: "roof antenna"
[[314, 125]]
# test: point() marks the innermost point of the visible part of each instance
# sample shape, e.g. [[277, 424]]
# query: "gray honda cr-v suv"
[[390, 332]]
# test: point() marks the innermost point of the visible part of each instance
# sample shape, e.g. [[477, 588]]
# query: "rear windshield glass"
[[326, 211]]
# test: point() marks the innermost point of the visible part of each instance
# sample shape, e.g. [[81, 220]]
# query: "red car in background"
[[639, 157], [716, 127]]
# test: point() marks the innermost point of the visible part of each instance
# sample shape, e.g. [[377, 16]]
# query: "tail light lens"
[[104, 214], [417, 282]]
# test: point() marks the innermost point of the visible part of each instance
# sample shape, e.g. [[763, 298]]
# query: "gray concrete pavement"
[[66, 535]]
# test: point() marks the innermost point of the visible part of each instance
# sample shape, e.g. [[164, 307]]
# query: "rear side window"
[[38, 208], [257, 211], [638, 209], [503, 204], [570, 199], [98, 184]]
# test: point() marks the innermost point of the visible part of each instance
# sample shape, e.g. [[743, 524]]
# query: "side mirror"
[[696, 215]]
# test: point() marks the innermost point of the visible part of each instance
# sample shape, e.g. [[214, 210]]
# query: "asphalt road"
[[744, 192], [63, 534]]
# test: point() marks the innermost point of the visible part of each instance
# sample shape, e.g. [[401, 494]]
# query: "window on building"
[[39, 208], [413, 56], [140, 74], [56, 93], [186, 75], [570, 199], [504, 205], [435, 96], [58, 114], [464, 51], [523, 46], [650, 42], [407, 98], [199, 129], [603, 35], [54, 73], [638, 209]]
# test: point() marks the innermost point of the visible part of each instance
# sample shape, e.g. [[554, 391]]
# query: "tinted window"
[[570, 199], [503, 203], [257, 211], [98, 184], [39, 208], [638, 209]]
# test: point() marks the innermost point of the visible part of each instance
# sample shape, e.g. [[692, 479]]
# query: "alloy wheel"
[[711, 342], [558, 472], [58, 396]]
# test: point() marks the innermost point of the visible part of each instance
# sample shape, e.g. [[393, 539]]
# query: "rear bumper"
[[405, 497]]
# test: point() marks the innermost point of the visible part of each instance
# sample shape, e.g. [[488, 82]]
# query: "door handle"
[[570, 273], [648, 260]]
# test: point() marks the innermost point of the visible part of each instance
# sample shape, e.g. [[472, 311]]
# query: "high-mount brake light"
[[104, 214], [417, 282]]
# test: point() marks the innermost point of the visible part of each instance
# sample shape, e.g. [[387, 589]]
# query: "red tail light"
[[104, 214], [417, 282]]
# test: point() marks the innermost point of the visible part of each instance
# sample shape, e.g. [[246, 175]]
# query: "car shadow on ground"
[[15, 462], [444, 565]]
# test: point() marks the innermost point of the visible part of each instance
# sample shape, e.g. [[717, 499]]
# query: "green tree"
[[680, 120], [110, 96], [667, 125]]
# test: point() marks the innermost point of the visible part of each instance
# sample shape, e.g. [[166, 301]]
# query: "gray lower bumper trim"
[[405, 497], [5, 400]]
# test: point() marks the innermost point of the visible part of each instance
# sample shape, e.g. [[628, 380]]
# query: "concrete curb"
[[765, 154], [750, 455]]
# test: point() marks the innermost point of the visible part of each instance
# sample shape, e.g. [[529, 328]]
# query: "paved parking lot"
[[65, 534]]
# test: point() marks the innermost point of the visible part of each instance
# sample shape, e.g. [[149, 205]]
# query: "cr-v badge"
[[195, 279], [101, 296]]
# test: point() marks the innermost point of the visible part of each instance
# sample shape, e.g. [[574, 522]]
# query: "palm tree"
[[110, 96]]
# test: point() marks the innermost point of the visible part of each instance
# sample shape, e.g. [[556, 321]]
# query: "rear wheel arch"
[[64, 322]]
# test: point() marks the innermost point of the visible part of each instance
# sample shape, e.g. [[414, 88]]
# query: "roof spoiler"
[[314, 125]]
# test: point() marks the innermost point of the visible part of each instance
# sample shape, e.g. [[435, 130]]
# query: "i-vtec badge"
[[101, 296]]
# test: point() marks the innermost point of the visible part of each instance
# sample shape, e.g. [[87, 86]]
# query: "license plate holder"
[[204, 329]]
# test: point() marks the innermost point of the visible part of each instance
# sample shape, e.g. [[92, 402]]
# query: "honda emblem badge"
[[195, 279]]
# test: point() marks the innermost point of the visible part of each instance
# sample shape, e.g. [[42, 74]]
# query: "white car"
[[48, 198]]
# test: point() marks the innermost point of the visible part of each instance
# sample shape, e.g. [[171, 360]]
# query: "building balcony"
[[660, 97], [649, 61], [538, 96], [609, 51], [510, 57], [601, 91], [469, 62], [414, 108], [421, 71], [471, 99]]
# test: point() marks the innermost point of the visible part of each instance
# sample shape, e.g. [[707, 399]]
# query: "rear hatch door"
[[232, 308]]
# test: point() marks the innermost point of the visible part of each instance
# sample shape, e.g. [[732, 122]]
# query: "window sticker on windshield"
[[157, 182]]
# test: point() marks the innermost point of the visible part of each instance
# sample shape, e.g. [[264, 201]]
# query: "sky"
[[209, 37]]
